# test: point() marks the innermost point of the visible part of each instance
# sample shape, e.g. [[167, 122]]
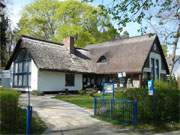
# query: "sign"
[[108, 87], [150, 87], [120, 75], [124, 74]]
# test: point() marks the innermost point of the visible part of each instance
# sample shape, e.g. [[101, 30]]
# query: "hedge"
[[8, 110], [164, 106]]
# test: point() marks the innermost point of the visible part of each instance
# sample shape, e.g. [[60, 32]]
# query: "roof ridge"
[[41, 40], [106, 44]]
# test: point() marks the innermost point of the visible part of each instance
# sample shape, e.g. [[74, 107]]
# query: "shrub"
[[164, 85], [8, 110], [163, 107], [82, 92], [66, 91], [178, 82]]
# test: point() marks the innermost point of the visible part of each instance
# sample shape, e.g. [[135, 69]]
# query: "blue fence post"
[[94, 105], [28, 119], [111, 108], [135, 112]]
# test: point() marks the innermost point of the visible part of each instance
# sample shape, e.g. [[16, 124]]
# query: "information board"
[[108, 87], [150, 87]]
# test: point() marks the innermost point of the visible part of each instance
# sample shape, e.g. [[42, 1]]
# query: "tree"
[[55, 20], [156, 14], [3, 28], [165, 50]]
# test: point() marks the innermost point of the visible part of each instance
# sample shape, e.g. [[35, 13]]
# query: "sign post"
[[29, 114], [151, 92]]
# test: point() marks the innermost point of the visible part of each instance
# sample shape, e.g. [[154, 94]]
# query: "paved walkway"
[[64, 118]]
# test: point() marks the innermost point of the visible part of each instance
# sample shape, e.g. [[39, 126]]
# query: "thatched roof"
[[123, 55], [53, 56]]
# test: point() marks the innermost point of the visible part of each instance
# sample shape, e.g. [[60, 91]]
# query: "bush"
[[82, 92], [164, 85], [178, 82], [163, 107], [8, 110]]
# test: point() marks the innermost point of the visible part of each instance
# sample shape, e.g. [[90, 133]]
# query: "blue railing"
[[121, 110]]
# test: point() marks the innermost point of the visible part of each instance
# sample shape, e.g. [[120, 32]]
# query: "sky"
[[15, 7]]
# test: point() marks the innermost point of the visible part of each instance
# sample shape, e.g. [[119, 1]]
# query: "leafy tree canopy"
[[55, 20]]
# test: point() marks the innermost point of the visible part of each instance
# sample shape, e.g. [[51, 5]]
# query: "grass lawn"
[[80, 100], [83, 100]]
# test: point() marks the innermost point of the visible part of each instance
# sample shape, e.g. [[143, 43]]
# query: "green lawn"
[[83, 100], [80, 100]]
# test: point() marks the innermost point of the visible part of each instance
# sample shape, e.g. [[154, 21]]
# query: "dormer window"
[[102, 59]]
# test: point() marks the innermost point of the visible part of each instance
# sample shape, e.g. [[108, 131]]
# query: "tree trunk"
[[175, 46]]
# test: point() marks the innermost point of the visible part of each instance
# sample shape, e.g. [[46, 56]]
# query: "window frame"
[[22, 74]]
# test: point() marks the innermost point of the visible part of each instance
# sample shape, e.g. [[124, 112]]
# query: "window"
[[157, 69], [21, 74], [21, 71], [152, 69], [102, 59], [69, 79]]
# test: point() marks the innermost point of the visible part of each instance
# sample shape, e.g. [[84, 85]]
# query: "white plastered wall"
[[34, 76], [55, 81]]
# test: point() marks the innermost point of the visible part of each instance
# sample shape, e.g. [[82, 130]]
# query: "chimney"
[[69, 44]]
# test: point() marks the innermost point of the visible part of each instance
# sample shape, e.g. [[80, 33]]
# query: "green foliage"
[[163, 107], [165, 49], [178, 82], [8, 110], [82, 92], [55, 20], [166, 85], [37, 125], [3, 41], [13, 118]]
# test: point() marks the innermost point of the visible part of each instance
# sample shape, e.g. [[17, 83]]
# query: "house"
[[47, 66]]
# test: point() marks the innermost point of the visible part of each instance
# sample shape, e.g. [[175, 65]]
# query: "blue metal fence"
[[121, 110]]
